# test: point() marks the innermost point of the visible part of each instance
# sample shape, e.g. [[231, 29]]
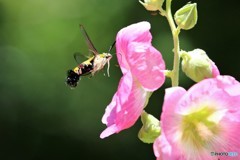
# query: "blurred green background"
[[41, 118]]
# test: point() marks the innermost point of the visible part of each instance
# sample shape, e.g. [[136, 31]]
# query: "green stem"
[[175, 33]]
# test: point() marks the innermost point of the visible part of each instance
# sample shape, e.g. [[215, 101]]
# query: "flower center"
[[198, 129]]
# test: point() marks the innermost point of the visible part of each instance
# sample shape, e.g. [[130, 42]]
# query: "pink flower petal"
[[163, 150], [169, 118], [229, 84], [171, 99], [212, 89], [138, 32], [215, 71], [126, 106], [147, 65], [109, 131], [230, 138], [124, 90]]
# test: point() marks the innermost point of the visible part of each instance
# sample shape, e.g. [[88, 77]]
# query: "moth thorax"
[[101, 60]]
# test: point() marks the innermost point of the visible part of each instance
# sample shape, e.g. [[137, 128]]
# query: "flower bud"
[[186, 17], [198, 66], [150, 129], [152, 5]]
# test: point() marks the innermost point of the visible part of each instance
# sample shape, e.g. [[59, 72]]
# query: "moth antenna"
[[111, 47]]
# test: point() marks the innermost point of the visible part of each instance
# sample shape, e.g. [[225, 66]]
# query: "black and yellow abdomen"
[[82, 69]]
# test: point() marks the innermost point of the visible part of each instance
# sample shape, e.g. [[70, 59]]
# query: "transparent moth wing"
[[79, 57], [88, 40]]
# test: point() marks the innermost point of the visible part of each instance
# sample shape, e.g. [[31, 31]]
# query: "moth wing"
[[88, 40], [79, 57]]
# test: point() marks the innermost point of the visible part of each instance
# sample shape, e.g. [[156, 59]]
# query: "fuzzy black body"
[[72, 79]]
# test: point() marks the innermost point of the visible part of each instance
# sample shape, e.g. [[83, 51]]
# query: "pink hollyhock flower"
[[200, 122], [142, 67]]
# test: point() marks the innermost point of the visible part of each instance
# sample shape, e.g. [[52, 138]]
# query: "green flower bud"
[[152, 5], [196, 65], [150, 129], [186, 17]]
